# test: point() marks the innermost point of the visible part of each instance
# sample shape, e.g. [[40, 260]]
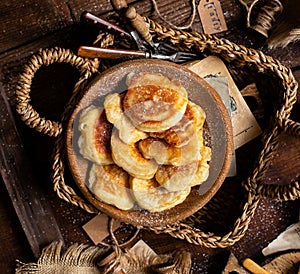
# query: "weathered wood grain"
[[38, 20], [22, 22], [93, 6], [25, 21], [31, 208], [14, 243], [285, 166]]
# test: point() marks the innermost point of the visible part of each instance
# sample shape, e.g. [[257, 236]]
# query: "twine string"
[[188, 24], [262, 14]]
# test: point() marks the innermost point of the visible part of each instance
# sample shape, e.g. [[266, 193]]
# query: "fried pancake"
[[176, 178], [114, 113], [180, 134], [165, 154], [146, 78], [151, 196], [202, 172], [130, 159], [110, 184], [152, 106], [94, 141]]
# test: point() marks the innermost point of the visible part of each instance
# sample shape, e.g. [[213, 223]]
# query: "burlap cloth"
[[84, 259]]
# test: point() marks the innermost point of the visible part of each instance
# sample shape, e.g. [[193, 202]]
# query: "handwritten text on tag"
[[212, 17]]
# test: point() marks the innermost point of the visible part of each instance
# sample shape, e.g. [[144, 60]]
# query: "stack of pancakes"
[[146, 145]]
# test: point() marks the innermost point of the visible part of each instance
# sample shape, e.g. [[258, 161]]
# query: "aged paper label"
[[97, 228], [212, 17], [220, 84], [141, 247], [287, 240], [245, 126]]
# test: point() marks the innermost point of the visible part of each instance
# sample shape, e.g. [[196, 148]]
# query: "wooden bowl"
[[218, 127]]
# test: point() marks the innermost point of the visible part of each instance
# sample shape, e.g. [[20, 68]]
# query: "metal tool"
[[159, 50], [138, 24], [160, 47], [96, 52]]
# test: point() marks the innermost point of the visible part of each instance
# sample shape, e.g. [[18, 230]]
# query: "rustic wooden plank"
[[12, 238], [25, 21], [31, 207], [93, 6], [285, 165], [13, 61], [176, 12], [233, 11]]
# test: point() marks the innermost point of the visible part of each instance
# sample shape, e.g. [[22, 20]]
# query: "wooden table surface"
[[26, 26]]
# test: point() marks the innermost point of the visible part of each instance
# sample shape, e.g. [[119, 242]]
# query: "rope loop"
[[291, 127], [46, 57]]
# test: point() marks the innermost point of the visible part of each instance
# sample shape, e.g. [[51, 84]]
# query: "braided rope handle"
[[183, 231], [45, 57], [291, 127], [31, 117]]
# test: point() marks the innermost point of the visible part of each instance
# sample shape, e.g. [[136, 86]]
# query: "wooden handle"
[[254, 267], [138, 23], [94, 52], [119, 4]]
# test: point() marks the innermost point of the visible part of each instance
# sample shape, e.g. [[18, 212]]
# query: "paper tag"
[[220, 84], [97, 228], [245, 126], [212, 17], [141, 247], [287, 240]]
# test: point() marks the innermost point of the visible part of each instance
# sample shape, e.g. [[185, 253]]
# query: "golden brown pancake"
[[202, 172], [153, 106], [180, 134], [176, 178], [130, 159], [94, 141], [151, 196], [110, 184], [147, 143], [165, 154], [114, 113], [146, 78]]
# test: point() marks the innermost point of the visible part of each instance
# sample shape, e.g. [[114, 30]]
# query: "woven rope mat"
[[240, 61]]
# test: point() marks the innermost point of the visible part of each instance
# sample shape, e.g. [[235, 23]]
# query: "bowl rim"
[[189, 206]]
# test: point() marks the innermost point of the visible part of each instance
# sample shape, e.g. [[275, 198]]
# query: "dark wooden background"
[[26, 26]]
